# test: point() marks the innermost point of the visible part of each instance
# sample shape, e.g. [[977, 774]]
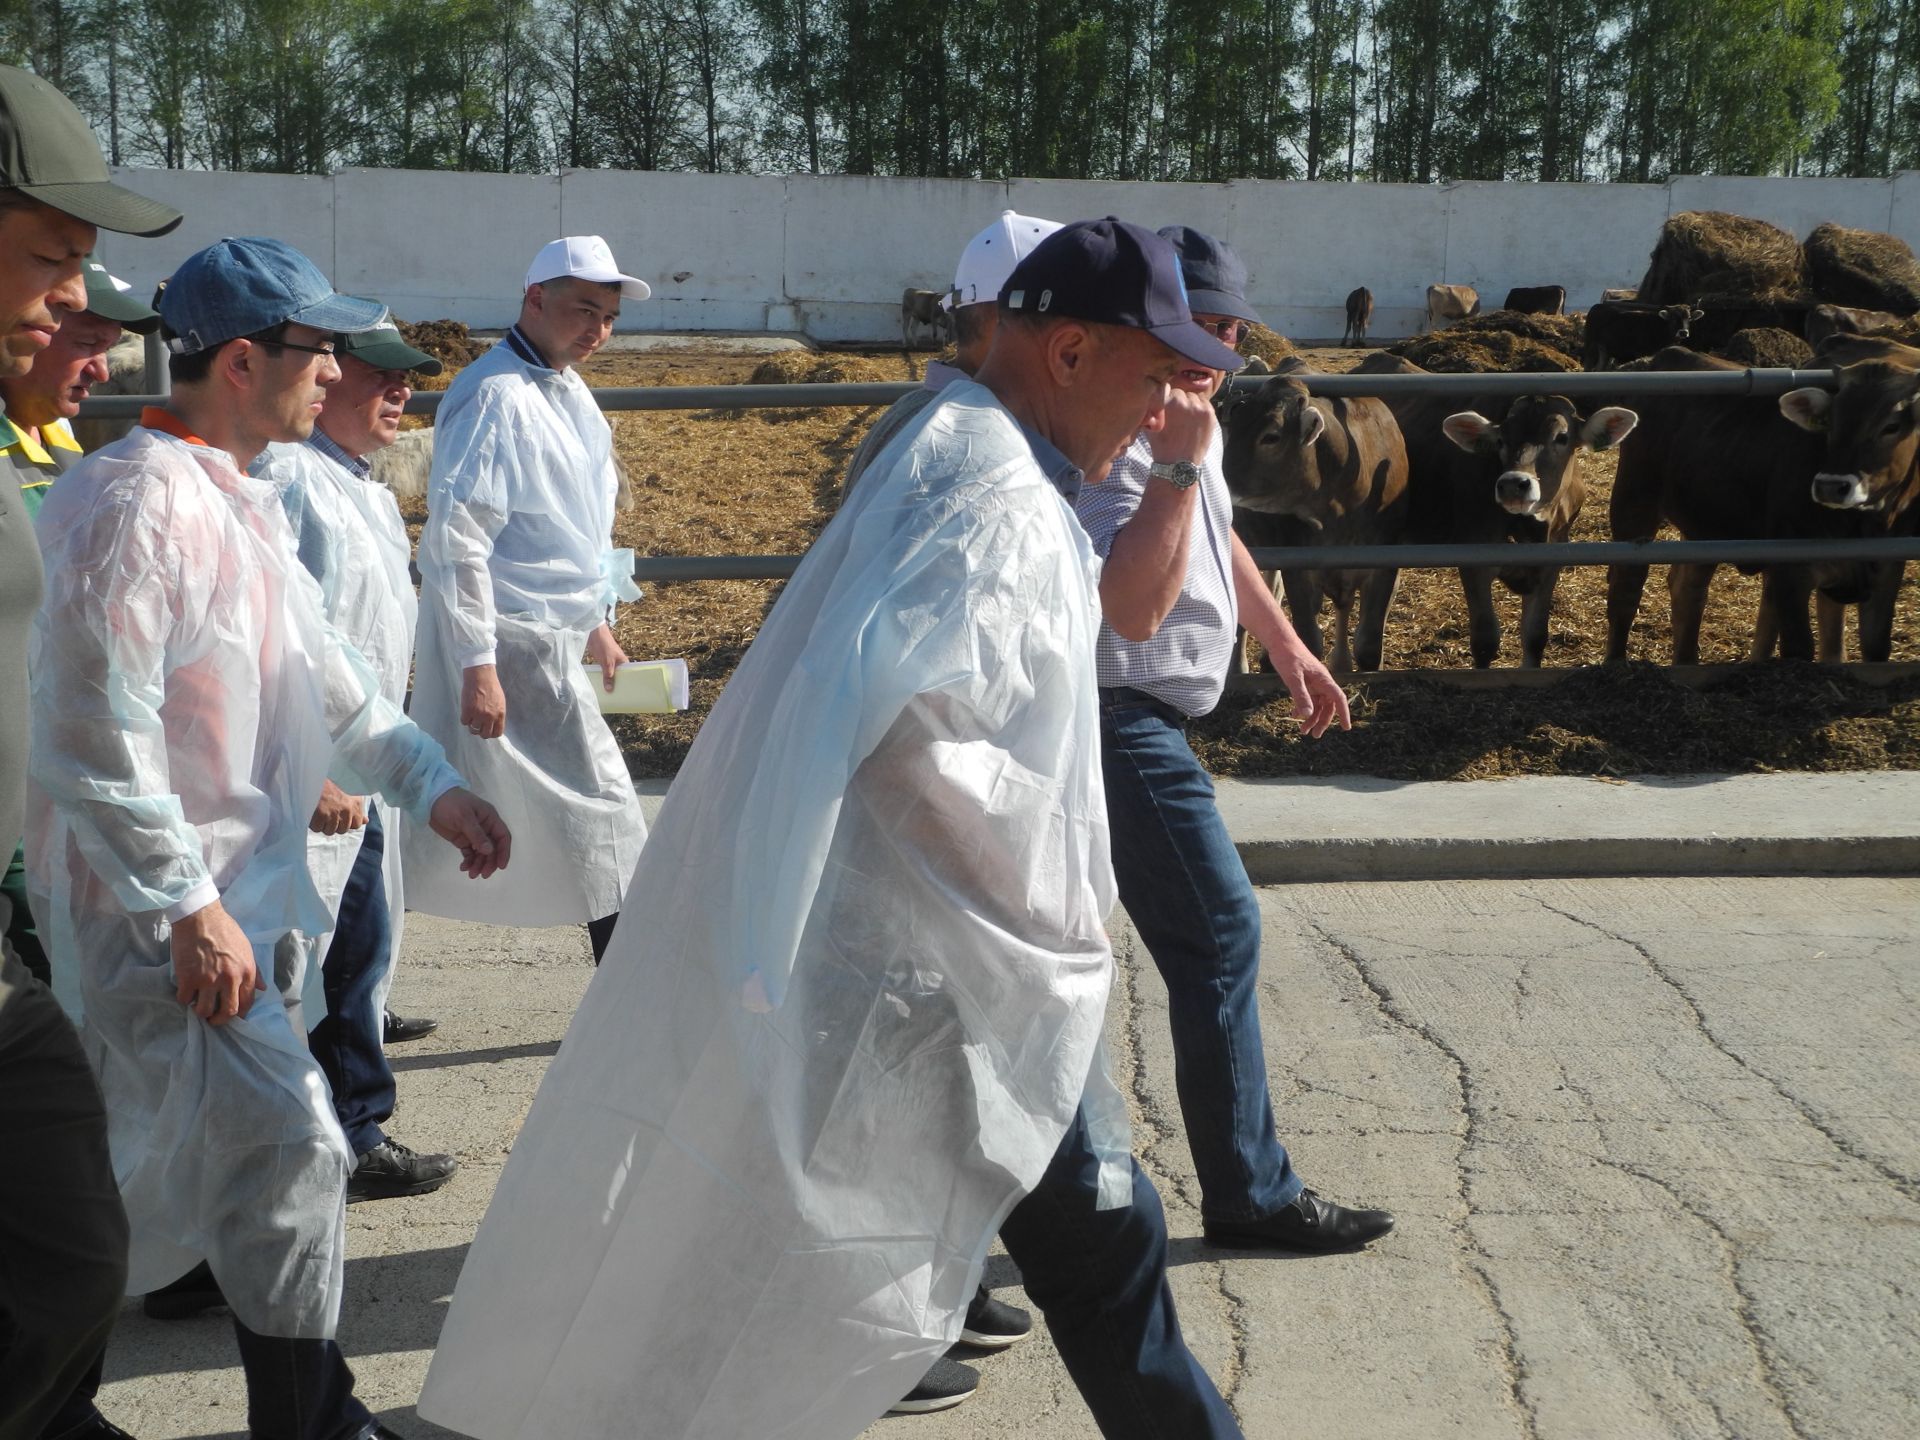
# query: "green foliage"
[[1402, 90]]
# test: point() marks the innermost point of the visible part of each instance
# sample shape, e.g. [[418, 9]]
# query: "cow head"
[[1269, 451], [1681, 318], [1873, 436], [1533, 448]]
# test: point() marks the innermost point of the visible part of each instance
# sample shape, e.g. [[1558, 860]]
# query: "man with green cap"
[[63, 1232], [352, 540]]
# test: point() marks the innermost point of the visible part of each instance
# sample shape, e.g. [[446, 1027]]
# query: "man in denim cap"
[[189, 702]]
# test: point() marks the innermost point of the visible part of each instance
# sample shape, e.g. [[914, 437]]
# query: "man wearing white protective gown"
[[862, 1017], [519, 578], [189, 702]]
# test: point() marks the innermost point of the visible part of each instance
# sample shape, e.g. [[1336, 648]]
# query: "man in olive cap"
[[63, 1232]]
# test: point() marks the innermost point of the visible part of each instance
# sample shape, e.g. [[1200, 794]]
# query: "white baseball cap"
[[991, 255], [583, 257]]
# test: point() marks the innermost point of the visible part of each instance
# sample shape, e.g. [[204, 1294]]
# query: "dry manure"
[[1268, 345], [798, 367], [1862, 268], [1452, 352], [1703, 252], [1565, 333], [1767, 346], [448, 341]]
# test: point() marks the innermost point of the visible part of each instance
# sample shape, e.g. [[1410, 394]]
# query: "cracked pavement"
[[1653, 1145]]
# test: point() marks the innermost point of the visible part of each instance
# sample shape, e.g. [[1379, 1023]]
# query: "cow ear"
[[1312, 424], [1607, 427], [1470, 430], [1807, 408]]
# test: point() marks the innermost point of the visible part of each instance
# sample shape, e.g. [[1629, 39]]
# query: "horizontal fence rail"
[[1721, 384], [1609, 384]]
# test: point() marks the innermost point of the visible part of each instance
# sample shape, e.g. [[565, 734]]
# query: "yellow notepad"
[[642, 687]]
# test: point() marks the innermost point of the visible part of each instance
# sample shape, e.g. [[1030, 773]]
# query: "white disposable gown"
[[758, 1184], [351, 539], [516, 570], [188, 700]]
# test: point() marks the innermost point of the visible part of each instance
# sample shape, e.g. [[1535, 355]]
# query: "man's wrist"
[[1181, 474]]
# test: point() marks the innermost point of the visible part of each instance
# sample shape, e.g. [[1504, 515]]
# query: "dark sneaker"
[[193, 1293], [98, 1428], [992, 1324], [394, 1029], [390, 1170], [1310, 1223], [941, 1388]]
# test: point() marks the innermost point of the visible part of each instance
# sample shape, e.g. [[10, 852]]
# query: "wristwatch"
[[1181, 474]]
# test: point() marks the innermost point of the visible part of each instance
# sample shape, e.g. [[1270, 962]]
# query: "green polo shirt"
[[34, 464]]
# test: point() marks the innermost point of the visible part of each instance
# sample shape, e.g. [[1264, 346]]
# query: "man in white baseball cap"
[[984, 267], [518, 580]]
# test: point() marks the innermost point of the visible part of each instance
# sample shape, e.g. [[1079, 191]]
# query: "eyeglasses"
[[1227, 331], [279, 342]]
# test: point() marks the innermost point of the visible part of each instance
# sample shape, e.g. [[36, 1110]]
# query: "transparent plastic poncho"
[[188, 700], [516, 569], [855, 996]]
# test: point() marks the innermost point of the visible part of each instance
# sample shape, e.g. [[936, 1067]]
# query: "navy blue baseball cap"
[[1112, 273], [1216, 277], [241, 287]]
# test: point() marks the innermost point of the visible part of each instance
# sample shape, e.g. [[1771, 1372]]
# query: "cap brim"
[[395, 355], [1197, 345], [631, 287], [108, 206], [123, 310], [1219, 302], [341, 314]]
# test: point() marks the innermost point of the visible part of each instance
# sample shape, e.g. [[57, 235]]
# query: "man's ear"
[[1069, 351]]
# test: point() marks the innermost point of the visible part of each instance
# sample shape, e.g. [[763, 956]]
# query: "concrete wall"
[[829, 255]]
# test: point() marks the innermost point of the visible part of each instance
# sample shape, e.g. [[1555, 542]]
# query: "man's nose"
[[69, 294], [95, 370]]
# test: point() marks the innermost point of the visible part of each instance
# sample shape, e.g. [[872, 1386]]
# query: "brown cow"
[[1476, 480], [1714, 469], [1622, 330], [1447, 303], [922, 308], [1307, 470], [1359, 316], [1826, 321], [1537, 299]]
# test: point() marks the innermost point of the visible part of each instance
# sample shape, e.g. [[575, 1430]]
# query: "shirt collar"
[[352, 464], [1061, 473], [517, 341], [53, 436], [157, 417], [940, 375]]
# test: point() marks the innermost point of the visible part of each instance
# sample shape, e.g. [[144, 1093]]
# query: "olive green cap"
[[47, 151], [384, 348], [113, 299]]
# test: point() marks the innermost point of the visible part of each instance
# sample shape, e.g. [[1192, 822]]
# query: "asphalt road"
[[1654, 1146]]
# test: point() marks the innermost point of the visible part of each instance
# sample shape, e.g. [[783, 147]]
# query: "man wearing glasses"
[[189, 703], [1176, 585]]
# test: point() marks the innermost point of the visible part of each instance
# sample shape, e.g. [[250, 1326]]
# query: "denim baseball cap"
[[47, 151], [238, 287], [1111, 272], [1216, 277]]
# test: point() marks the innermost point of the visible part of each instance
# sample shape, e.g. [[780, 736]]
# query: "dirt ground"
[[765, 482]]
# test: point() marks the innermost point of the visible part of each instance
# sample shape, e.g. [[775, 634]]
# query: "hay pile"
[[1703, 252], [1565, 333], [1459, 351], [1862, 268], [1268, 345], [1767, 346], [798, 367], [448, 341]]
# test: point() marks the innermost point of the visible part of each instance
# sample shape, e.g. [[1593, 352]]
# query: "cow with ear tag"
[[1306, 470]]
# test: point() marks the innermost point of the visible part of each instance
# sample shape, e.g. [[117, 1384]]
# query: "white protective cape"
[[756, 1189], [351, 539], [516, 568], [188, 700]]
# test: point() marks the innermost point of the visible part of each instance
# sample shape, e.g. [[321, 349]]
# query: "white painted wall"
[[830, 254]]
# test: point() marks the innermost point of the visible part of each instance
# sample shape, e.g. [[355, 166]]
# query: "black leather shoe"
[[395, 1029], [194, 1292], [391, 1170], [98, 1428], [380, 1432], [1310, 1223]]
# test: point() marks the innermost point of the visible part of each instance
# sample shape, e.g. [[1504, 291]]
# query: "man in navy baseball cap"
[[1113, 273]]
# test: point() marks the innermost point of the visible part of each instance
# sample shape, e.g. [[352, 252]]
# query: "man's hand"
[[337, 812], [605, 652], [1186, 427], [213, 967], [474, 828], [483, 704], [1318, 699]]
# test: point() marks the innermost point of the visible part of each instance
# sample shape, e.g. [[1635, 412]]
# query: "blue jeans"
[[1189, 898], [1100, 1278], [349, 1044]]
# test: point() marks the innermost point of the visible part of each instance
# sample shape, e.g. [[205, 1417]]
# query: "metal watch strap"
[[1181, 474]]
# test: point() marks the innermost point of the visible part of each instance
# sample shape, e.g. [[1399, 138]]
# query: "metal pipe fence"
[[1609, 384]]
